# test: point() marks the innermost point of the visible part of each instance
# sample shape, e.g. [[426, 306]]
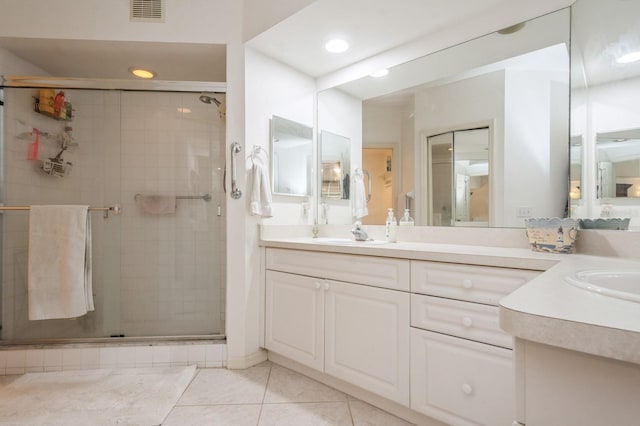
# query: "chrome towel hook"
[[235, 192]]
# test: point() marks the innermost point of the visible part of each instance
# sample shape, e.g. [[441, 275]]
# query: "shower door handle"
[[235, 192]]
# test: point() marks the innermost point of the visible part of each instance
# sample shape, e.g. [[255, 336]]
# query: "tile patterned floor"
[[267, 395]]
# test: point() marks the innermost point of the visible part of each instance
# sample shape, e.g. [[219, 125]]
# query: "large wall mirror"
[[291, 157], [605, 112], [514, 84]]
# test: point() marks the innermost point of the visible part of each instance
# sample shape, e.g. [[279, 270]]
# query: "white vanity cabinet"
[[462, 365], [342, 314]]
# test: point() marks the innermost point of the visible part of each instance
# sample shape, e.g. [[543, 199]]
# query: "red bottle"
[[58, 103]]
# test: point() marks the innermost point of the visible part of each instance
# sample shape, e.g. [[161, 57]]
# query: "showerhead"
[[210, 100]]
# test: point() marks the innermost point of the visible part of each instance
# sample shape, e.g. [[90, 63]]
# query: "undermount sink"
[[618, 284], [347, 241]]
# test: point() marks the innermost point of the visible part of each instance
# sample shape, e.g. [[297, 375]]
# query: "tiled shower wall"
[[153, 275]]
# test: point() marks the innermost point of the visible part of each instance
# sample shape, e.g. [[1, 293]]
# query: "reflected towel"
[[156, 204], [260, 203], [359, 196], [59, 267]]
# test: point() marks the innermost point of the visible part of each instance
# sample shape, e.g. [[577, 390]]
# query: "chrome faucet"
[[359, 233]]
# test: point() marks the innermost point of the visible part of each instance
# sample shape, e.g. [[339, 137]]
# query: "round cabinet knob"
[[467, 322], [467, 283], [326, 285], [318, 285], [467, 389]]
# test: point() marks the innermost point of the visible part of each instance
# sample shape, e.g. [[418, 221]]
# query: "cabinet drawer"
[[464, 319], [461, 382], [369, 270], [482, 284]]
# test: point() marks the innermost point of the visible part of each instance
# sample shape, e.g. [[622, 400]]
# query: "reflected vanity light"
[[336, 45], [380, 73], [629, 57], [184, 110]]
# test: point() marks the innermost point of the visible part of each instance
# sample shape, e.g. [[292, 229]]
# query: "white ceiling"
[[370, 27], [112, 59]]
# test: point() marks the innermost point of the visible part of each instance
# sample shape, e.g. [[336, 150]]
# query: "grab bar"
[[366, 172], [235, 192], [205, 197]]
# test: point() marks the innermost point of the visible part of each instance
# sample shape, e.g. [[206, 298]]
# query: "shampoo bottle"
[[391, 227], [406, 220]]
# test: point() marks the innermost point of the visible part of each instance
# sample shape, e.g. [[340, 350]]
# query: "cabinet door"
[[461, 382], [294, 318], [367, 338]]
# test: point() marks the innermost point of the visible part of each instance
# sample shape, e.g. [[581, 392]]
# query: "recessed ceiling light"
[[142, 73], [380, 73], [629, 57], [336, 45]]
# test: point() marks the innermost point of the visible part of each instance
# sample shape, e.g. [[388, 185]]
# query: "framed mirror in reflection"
[[618, 165], [291, 157], [515, 85], [605, 112], [459, 178], [335, 159]]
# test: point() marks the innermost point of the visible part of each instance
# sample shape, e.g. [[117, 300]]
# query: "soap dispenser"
[[391, 227], [406, 220]]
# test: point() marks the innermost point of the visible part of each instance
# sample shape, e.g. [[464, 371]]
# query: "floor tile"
[[307, 414], [222, 386], [288, 386], [219, 415], [367, 415]]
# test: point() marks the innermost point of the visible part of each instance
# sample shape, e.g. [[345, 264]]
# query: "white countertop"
[[551, 311], [546, 310], [453, 253]]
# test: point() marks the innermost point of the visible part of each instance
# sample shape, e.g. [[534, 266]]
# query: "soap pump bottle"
[[406, 220], [391, 227]]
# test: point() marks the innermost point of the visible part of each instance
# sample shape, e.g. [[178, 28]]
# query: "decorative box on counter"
[[619, 224], [552, 235]]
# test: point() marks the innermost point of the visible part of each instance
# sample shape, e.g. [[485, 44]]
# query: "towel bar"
[[116, 209]]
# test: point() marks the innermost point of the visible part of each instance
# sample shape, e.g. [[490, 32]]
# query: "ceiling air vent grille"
[[147, 11]]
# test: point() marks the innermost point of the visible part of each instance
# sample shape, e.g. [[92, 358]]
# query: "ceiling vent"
[[147, 11]]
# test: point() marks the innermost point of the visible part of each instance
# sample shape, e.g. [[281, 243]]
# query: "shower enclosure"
[[155, 273]]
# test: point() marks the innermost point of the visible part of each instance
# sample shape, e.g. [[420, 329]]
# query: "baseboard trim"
[[377, 401], [240, 363]]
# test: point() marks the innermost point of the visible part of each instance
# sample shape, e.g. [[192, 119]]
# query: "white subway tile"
[[109, 357], [90, 358], [196, 355], [161, 356], [34, 359], [16, 359], [144, 356], [71, 359], [179, 355], [53, 358], [126, 357]]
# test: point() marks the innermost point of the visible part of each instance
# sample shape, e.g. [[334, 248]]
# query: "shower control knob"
[[467, 283]]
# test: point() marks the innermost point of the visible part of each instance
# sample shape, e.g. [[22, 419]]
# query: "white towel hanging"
[[59, 267], [359, 195]]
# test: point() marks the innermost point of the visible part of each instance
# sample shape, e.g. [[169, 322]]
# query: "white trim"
[[240, 363]]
